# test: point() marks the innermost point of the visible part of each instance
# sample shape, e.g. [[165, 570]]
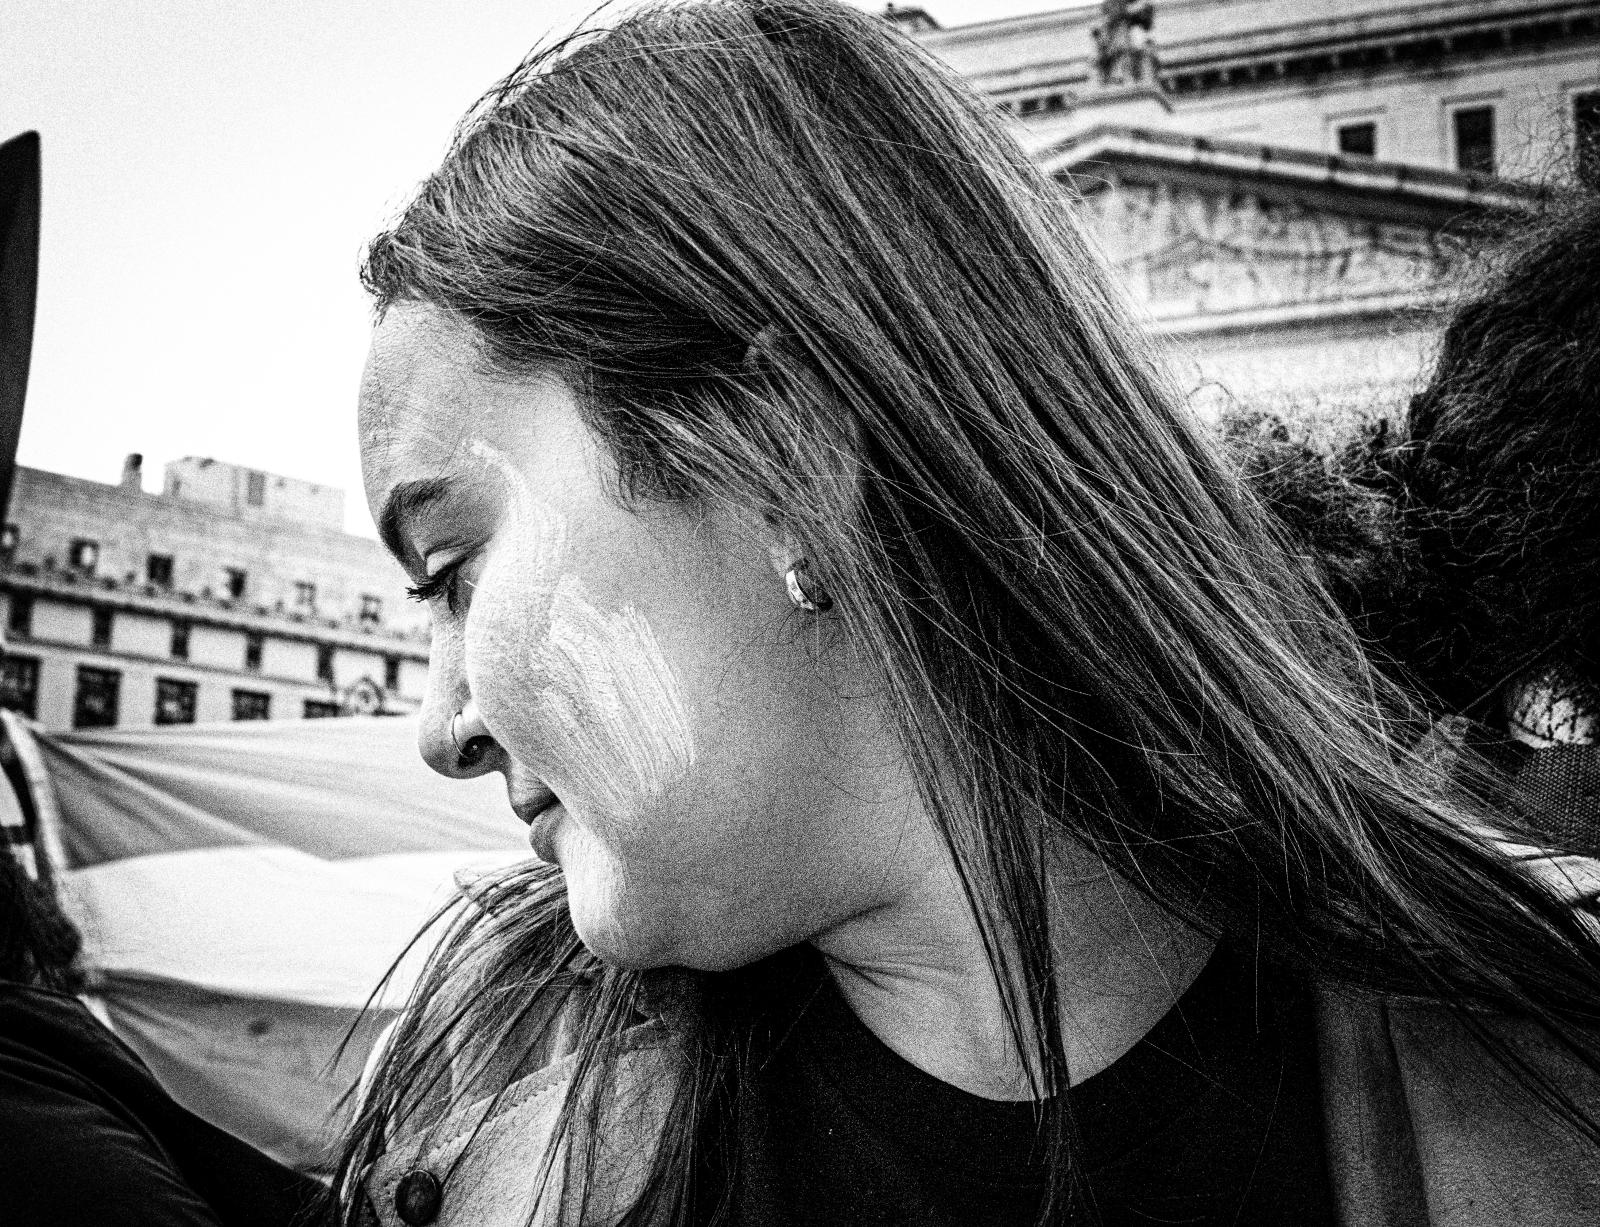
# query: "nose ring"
[[469, 734]]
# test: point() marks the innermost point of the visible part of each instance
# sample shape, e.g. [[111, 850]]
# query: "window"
[[391, 673], [1474, 138], [325, 662], [100, 627], [252, 650], [1358, 140], [19, 685], [251, 705], [19, 616], [158, 570], [8, 540], [94, 706], [83, 555], [175, 701], [305, 596], [320, 709], [180, 641], [235, 580], [255, 489], [371, 610], [1586, 133]]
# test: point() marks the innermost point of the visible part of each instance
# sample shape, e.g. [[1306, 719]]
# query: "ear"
[[783, 549]]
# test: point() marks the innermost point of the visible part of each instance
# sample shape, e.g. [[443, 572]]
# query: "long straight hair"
[[788, 263]]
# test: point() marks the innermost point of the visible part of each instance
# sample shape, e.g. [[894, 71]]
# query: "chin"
[[643, 942], [632, 944]]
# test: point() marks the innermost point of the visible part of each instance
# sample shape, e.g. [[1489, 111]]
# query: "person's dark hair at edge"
[[1088, 630], [1465, 539], [39, 946]]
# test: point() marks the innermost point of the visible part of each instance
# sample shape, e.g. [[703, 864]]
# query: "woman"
[[947, 788]]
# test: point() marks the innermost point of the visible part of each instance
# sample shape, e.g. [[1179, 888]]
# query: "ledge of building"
[[211, 611], [1421, 307], [1394, 191]]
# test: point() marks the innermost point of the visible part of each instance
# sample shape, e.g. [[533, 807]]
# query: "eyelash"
[[442, 583]]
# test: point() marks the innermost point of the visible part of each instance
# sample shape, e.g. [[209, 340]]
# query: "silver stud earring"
[[470, 735], [812, 600]]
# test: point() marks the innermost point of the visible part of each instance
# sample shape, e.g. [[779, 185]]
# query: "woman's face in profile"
[[723, 786]]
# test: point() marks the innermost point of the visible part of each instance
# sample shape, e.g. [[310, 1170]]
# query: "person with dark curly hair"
[[1466, 543]]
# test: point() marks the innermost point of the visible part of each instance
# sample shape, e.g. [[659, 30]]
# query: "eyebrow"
[[404, 502]]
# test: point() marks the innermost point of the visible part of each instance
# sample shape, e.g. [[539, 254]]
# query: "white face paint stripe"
[[619, 695], [601, 690]]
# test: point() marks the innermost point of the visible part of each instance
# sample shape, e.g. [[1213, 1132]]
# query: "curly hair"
[[1465, 543]]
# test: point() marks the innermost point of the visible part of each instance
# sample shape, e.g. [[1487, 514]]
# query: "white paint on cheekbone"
[[612, 691], [602, 701]]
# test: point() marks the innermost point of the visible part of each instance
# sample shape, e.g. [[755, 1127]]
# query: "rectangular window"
[[180, 641], [255, 489], [391, 673], [1358, 140], [252, 651], [235, 580], [158, 570], [19, 685], [19, 616], [100, 627], [251, 705], [83, 555], [175, 701], [1586, 134], [94, 706], [320, 709], [1474, 139], [305, 596], [371, 610], [324, 662]]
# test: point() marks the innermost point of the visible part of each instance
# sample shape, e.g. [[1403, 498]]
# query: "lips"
[[528, 808], [537, 807]]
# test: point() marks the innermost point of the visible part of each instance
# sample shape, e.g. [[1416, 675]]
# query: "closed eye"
[[445, 583]]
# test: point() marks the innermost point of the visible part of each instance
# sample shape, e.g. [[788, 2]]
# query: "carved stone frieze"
[[1185, 252]]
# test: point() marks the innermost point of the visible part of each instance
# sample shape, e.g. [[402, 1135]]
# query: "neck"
[[916, 973]]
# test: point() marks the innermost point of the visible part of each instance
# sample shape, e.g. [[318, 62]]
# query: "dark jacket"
[[1422, 1130], [88, 1136]]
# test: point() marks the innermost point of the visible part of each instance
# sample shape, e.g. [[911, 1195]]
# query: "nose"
[[461, 746]]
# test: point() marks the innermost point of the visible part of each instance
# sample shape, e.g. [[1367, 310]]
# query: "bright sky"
[[210, 174]]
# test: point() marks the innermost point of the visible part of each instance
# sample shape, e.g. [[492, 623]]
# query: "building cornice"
[[1053, 51], [1254, 321], [1408, 37], [1393, 191], [201, 611], [172, 666]]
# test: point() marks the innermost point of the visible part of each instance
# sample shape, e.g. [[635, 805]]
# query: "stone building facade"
[[1287, 187], [231, 595]]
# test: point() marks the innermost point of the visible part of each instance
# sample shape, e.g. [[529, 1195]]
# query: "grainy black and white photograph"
[[768, 613]]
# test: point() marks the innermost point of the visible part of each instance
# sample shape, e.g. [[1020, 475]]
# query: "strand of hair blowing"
[[1088, 631]]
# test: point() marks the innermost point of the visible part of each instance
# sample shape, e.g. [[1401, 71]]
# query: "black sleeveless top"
[[1214, 1117]]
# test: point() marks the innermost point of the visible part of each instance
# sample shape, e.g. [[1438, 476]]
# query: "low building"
[[232, 595]]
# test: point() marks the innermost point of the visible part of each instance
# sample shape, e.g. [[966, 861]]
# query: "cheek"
[[582, 694], [613, 698]]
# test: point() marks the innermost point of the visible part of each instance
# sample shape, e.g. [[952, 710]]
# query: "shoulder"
[[1422, 1125], [74, 1141]]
